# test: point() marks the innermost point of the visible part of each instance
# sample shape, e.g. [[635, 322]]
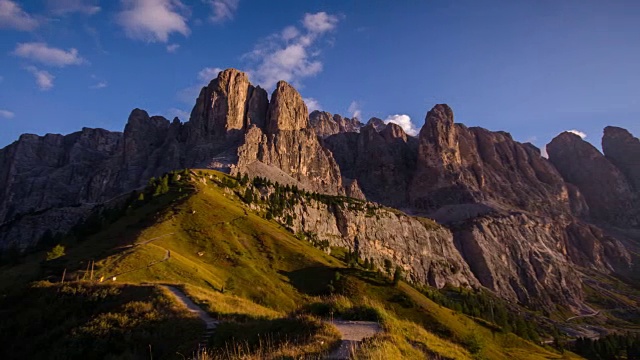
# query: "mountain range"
[[532, 230]]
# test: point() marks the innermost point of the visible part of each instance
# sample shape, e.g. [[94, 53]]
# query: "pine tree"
[[397, 276], [248, 195]]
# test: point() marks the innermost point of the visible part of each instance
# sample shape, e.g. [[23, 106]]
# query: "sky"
[[531, 68]]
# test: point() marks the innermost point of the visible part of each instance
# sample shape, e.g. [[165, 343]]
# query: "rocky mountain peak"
[[323, 123], [623, 150], [438, 138], [393, 132], [287, 110], [221, 108], [377, 123], [605, 189]]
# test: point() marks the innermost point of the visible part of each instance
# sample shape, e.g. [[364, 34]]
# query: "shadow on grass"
[[313, 280]]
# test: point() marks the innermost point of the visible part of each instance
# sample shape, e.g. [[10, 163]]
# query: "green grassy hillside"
[[193, 230]]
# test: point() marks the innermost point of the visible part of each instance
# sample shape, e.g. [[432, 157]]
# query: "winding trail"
[[584, 316], [352, 334], [210, 322]]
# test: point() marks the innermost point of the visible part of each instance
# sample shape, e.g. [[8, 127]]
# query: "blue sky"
[[532, 68]]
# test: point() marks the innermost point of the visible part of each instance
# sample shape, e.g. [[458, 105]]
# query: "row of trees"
[[618, 346], [484, 306]]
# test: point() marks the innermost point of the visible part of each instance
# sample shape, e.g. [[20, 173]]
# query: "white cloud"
[[405, 123], [6, 114], [207, 74], [41, 52], [99, 85], [223, 10], [290, 32], [544, 153], [43, 78], [153, 20], [320, 22], [173, 48], [312, 104], [65, 7], [354, 110], [13, 17], [290, 54], [578, 132], [181, 114]]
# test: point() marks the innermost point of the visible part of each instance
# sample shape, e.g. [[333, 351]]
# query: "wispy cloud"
[[312, 104], [13, 17], [153, 20], [578, 132], [179, 113], [42, 53], [292, 53], [207, 74], [319, 23], [223, 10], [173, 48], [66, 7], [99, 85], [6, 114], [404, 121], [43, 78], [354, 110]]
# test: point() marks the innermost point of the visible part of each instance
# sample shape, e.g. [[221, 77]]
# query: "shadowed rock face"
[[623, 150], [604, 187], [458, 165], [382, 163]]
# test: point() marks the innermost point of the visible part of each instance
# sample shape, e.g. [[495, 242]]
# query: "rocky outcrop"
[[604, 187], [287, 110], [326, 124], [424, 250], [531, 259], [623, 150], [41, 172], [288, 144], [377, 123], [457, 165]]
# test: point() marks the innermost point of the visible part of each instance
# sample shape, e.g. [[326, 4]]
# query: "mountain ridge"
[[523, 224]]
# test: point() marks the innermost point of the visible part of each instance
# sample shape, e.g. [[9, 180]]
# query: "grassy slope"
[[218, 243]]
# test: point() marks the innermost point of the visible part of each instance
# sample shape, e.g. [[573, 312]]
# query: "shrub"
[[56, 252]]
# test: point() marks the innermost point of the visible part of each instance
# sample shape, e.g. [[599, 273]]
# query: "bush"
[[56, 252]]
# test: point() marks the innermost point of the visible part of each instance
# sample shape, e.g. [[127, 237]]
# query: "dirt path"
[[210, 322], [352, 332], [595, 313]]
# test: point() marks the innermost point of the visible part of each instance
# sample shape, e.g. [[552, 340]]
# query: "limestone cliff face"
[[40, 172], [605, 188], [381, 162], [424, 250], [531, 259]]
